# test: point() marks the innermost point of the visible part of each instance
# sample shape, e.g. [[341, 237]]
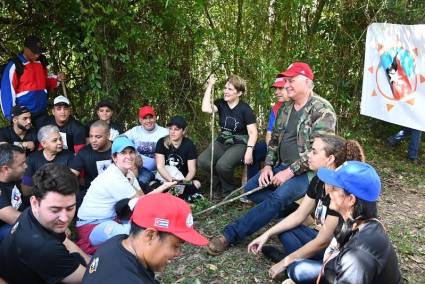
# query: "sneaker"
[[217, 245], [288, 281], [273, 253], [244, 199]]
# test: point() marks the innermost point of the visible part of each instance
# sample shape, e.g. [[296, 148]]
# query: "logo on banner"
[[396, 76]]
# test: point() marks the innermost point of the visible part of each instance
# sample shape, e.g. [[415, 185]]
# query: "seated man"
[[104, 112], [37, 249], [160, 224], [298, 120], [94, 158], [176, 160], [20, 132], [260, 149], [72, 131], [145, 136], [12, 168], [52, 152]]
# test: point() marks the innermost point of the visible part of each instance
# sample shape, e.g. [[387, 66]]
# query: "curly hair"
[[54, 178], [343, 150]]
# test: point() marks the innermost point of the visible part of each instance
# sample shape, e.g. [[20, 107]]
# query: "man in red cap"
[[144, 137], [286, 175], [160, 224]]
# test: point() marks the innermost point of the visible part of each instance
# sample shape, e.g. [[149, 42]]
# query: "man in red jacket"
[[25, 81]]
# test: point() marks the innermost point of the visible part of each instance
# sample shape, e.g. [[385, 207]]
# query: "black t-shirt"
[[73, 133], [8, 134], [37, 159], [92, 162], [316, 191], [235, 120], [115, 128], [113, 264], [11, 195], [32, 254], [177, 157]]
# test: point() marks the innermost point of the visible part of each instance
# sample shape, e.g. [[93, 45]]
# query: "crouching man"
[[160, 224], [37, 250]]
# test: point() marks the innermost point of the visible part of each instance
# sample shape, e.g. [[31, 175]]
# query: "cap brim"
[[277, 85], [289, 74], [193, 237], [328, 176], [146, 114]]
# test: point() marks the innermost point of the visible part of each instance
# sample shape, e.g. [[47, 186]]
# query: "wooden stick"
[[63, 88], [233, 192], [229, 201], [212, 143]]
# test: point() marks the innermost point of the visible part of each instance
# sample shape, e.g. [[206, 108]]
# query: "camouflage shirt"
[[318, 116]]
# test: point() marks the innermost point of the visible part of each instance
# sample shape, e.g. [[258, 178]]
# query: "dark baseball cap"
[[178, 121], [17, 110], [104, 103], [34, 44]]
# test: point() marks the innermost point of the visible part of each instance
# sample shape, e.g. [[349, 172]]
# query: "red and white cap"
[[279, 82], [298, 68], [146, 110], [167, 213]]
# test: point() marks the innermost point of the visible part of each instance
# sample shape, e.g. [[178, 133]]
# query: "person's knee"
[[223, 166], [203, 162]]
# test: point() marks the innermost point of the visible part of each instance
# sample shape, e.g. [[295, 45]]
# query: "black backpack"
[[19, 66]]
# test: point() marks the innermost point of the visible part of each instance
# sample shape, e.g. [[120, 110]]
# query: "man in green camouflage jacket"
[[286, 174]]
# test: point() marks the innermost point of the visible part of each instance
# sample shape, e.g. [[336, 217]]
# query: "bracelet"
[[249, 146]]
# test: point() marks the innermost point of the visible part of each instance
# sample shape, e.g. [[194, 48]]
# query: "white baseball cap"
[[61, 100]]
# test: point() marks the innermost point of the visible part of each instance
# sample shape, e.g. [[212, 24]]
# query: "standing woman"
[[303, 246], [234, 145], [364, 253]]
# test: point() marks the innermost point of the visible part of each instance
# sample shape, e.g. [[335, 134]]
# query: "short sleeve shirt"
[[73, 132], [32, 254], [316, 191], [92, 162], [177, 157], [37, 159], [11, 195], [144, 140], [235, 120], [8, 135], [112, 264]]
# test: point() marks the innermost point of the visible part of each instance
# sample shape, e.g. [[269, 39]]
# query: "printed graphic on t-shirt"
[[146, 148], [15, 198], [64, 141], [175, 160], [320, 212], [113, 133], [102, 165], [230, 124]]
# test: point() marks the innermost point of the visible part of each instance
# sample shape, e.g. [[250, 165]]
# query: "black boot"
[[273, 253]]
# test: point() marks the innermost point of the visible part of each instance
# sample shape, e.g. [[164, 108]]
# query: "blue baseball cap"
[[120, 143], [357, 178]]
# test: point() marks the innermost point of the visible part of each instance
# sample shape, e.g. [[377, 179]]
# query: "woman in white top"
[[96, 220]]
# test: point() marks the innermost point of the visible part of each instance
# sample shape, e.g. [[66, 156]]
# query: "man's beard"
[[23, 128]]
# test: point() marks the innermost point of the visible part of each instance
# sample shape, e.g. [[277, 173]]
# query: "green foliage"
[[161, 51]]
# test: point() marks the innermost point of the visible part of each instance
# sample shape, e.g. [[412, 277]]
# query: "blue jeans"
[[145, 176], [260, 152], [4, 231], [414, 143], [269, 204], [303, 270]]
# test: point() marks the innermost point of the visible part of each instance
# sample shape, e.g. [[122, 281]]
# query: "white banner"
[[394, 74]]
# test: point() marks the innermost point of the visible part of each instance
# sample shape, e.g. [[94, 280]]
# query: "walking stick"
[[212, 143], [233, 192], [63, 88], [230, 200]]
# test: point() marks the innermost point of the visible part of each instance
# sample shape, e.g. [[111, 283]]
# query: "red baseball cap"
[[146, 110], [298, 68], [167, 213], [279, 82]]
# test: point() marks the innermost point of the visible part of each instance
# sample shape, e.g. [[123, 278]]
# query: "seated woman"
[[96, 220], [363, 251], [175, 157], [235, 143], [303, 246]]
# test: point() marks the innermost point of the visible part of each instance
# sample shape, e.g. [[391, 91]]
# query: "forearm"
[[207, 105], [268, 137], [71, 247]]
